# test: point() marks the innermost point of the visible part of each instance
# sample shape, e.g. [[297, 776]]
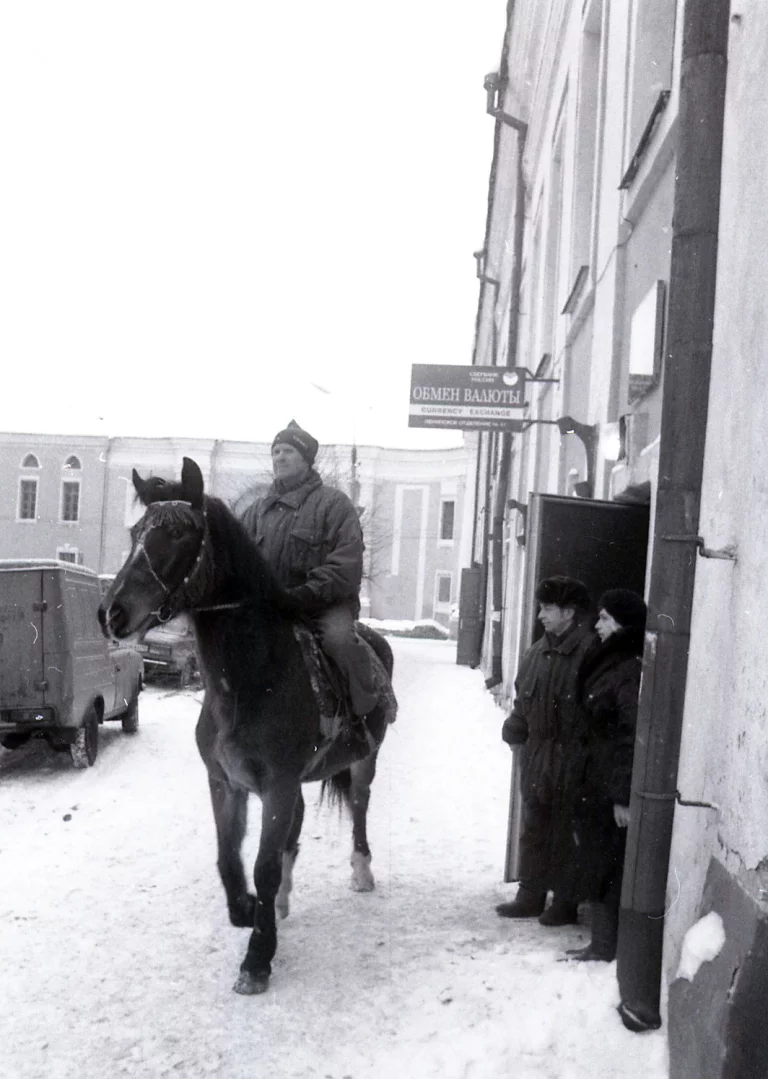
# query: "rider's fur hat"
[[563, 592], [301, 440]]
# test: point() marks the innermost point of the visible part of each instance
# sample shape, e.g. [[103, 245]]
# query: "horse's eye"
[[176, 533]]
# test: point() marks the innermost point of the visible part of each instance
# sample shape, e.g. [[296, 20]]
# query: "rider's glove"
[[301, 600]]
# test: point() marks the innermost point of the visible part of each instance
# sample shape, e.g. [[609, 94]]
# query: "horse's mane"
[[236, 557]]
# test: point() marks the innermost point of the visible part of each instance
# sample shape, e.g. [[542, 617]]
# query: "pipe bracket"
[[674, 796], [727, 553]]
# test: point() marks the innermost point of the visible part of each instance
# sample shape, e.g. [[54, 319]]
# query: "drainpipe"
[[486, 547], [681, 459], [478, 467], [502, 482]]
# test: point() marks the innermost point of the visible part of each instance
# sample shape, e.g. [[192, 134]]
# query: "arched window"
[[30, 461], [73, 463]]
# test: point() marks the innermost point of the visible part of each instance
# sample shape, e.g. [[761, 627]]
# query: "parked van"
[[59, 678]]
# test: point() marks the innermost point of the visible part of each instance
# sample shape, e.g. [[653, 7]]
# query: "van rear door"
[[22, 681]]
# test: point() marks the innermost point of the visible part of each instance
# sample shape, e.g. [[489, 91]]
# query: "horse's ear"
[[192, 482], [140, 486]]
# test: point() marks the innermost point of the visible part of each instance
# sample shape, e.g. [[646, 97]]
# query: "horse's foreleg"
[[362, 774], [230, 811], [282, 902], [277, 810]]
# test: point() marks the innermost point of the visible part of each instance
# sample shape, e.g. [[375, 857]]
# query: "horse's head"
[[167, 552]]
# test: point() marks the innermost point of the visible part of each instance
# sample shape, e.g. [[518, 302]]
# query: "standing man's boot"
[[605, 931], [526, 904], [560, 912]]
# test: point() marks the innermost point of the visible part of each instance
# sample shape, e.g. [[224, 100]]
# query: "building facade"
[[622, 268], [73, 498]]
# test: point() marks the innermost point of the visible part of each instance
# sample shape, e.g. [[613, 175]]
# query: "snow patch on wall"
[[702, 943]]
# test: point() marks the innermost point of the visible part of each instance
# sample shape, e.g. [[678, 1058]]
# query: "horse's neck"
[[244, 648]]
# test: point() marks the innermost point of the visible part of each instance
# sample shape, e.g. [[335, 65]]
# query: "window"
[[30, 461], [586, 150], [443, 590], [28, 500], [73, 463], [68, 554], [70, 500], [447, 516], [651, 59]]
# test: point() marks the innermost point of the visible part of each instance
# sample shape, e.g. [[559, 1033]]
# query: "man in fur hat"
[[542, 722], [310, 535]]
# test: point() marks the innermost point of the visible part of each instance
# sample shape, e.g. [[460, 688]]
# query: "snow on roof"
[[44, 563]]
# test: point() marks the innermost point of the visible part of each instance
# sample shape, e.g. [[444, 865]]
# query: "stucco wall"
[[724, 756], [42, 537]]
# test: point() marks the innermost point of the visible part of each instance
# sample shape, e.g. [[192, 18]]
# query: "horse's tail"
[[336, 789]]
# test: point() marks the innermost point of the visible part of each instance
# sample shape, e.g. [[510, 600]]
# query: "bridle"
[[166, 610]]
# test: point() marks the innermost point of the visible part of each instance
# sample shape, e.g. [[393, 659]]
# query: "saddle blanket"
[[332, 700]]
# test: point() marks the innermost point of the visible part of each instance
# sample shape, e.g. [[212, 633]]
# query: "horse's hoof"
[[362, 878], [251, 985], [282, 908], [244, 913]]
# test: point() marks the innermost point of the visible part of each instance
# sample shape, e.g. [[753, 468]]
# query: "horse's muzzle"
[[113, 620]]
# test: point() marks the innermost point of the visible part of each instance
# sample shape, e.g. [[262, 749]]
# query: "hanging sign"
[[469, 398]]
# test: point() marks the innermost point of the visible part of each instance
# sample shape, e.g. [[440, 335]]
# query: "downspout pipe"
[[486, 282], [505, 462], [690, 319]]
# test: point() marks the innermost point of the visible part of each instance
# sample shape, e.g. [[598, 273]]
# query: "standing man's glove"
[[513, 732]]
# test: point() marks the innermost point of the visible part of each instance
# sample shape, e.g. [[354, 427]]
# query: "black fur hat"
[[563, 592], [301, 440], [625, 607]]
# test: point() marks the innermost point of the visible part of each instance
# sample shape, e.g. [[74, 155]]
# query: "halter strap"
[[165, 612]]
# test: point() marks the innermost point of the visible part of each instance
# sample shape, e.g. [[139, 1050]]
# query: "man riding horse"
[[310, 536]]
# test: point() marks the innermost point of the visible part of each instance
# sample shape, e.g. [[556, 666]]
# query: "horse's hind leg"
[[282, 903], [362, 774], [230, 811], [277, 814]]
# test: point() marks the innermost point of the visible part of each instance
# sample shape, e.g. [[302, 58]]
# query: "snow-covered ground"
[[117, 957]]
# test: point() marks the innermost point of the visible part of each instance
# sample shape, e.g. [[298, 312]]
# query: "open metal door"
[[603, 544]]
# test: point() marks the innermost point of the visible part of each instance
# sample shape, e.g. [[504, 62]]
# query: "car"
[[169, 652], [59, 677]]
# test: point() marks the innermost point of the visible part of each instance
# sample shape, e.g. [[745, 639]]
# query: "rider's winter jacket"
[[312, 539]]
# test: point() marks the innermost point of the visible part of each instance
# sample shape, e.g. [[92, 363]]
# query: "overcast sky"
[[208, 207]]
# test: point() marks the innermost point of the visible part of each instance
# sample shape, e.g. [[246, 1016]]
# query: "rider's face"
[[287, 462]]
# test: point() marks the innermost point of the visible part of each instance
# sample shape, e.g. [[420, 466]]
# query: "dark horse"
[[259, 727]]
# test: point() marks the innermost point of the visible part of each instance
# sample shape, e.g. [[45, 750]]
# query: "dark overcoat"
[[545, 712], [600, 773], [311, 536]]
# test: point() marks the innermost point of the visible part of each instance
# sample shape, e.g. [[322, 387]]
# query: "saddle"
[[338, 723]]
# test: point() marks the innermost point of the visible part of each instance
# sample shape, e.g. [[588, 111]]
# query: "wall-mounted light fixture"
[[495, 88], [588, 434], [613, 440]]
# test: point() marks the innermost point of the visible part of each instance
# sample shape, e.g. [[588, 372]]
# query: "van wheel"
[[85, 748], [130, 717], [186, 674]]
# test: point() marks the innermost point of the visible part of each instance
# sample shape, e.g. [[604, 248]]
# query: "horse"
[[259, 726]]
